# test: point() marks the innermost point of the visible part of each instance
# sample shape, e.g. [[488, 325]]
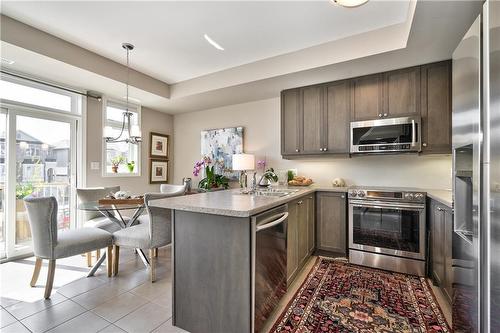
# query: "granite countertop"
[[233, 203]]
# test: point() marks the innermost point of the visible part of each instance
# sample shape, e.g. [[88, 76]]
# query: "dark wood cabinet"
[[315, 119], [367, 97], [290, 122], [337, 117], [312, 119], [402, 92], [300, 227], [441, 232], [436, 107], [331, 222]]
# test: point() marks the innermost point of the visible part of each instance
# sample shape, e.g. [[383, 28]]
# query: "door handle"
[[273, 223], [413, 134]]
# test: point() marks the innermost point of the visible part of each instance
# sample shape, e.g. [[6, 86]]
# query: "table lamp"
[[243, 163]]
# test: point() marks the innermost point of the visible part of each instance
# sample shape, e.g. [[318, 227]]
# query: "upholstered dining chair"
[[151, 235], [95, 219], [50, 245]]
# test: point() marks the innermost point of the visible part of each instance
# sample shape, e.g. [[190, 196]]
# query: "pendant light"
[[129, 133]]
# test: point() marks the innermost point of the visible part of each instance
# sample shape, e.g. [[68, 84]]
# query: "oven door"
[[386, 135], [387, 227]]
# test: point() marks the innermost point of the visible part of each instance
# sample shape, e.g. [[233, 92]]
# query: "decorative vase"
[[114, 168], [130, 167]]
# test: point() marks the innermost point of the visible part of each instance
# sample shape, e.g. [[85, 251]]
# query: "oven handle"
[[391, 206], [273, 223], [413, 133]]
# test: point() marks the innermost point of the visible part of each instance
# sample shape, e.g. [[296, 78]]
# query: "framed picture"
[[158, 171], [158, 145], [220, 145]]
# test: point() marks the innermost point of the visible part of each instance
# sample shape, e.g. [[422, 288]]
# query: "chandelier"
[[129, 133]]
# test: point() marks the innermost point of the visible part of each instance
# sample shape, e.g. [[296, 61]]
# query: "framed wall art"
[[220, 145], [158, 145], [158, 171]]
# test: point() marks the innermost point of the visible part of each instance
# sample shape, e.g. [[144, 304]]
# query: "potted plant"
[[212, 180], [115, 162], [131, 166]]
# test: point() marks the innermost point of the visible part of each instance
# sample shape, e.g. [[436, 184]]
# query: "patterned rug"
[[341, 297]]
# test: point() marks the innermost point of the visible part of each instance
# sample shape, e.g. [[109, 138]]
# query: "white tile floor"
[[125, 303]]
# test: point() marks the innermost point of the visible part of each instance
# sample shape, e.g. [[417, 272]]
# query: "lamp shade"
[[243, 162]]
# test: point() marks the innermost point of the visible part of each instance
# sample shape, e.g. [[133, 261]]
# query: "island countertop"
[[233, 203]]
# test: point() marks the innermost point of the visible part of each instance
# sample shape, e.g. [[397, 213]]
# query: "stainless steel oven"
[[387, 229], [386, 135]]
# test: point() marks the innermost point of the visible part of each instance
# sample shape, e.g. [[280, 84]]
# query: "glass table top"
[[95, 206]]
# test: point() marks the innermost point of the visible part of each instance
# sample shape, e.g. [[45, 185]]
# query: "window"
[[35, 94], [127, 154]]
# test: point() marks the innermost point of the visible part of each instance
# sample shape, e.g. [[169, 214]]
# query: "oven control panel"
[[387, 195]]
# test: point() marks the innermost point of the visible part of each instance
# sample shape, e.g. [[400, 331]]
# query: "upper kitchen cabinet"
[[337, 117], [436, 107], [290, 122], [401, 93], [367, 97], [312, 123]]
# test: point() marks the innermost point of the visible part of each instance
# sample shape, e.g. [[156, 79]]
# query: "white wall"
[[261, 124]]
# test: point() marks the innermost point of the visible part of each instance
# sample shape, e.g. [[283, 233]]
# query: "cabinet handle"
[[380, 115], [385, 114], [324, 149], [342, 196], [321, 149], [424, 144], [296, 150], [440, 209], [299, 203]]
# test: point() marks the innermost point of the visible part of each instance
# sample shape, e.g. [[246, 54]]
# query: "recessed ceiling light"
[[213, 43], [349, 3], [7, 61]]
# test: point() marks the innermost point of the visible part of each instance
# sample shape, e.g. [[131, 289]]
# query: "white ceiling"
[[169, 35]]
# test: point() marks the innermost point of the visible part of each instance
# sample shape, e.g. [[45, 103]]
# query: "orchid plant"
[[212, 179]]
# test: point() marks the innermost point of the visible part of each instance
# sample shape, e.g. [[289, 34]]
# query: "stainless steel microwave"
[[389, 135]]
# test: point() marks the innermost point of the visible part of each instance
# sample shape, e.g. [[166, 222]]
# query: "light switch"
[[94, 165]]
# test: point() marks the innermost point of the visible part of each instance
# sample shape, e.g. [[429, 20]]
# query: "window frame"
[[133, 107]]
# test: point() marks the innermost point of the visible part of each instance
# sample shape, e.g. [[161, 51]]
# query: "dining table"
[[116, 214]]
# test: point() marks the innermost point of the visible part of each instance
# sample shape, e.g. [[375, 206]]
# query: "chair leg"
[[50, 278], [36, 271], [109, 257], [89, 259], [152, 265], [156, 252], [116, 259]]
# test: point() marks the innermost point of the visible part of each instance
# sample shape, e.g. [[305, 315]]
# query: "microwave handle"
[[413, 133]]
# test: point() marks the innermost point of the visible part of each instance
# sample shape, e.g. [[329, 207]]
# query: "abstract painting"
[[220, 145]]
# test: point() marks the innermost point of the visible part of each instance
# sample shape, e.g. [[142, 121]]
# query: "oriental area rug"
[[341, 297]]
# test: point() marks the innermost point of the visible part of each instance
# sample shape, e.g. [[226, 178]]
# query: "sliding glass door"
[[43, 158], [3, 181]]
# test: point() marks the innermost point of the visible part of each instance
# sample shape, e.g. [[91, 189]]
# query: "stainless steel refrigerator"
[[476, 171]]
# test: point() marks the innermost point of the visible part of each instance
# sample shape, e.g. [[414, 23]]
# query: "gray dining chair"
[[50, 245], [95, 219], [151, 235]]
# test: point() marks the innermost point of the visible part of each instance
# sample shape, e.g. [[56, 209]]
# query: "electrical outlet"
[[94, 165]]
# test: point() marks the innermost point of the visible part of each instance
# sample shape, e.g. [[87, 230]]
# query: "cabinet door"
[[367, 97], [337, 117], [331, 222], [312, 119], [303, 228], [437, 250], [292, 260], [310, 224], [290, 122], [402, 92], [436, 107], [448, 230]]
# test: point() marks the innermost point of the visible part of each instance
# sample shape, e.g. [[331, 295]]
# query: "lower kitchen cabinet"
[[441, 232], [300, 234], [331, 222]]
